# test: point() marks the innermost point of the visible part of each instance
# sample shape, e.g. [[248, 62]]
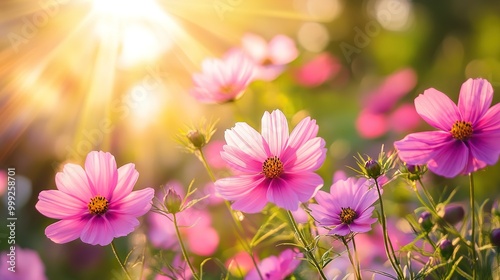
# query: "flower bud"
[[446, 248], [172, 201], [414, 172], [373, 169], [425, 221], [452, 213], [495, 237], [196, 138]]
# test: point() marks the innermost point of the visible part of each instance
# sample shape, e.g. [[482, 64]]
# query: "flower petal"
[[308, 157], [253, 202], [275, 131], [65, 230], [122, 225], [282, 49], [237, 187], [127, 177], [475, 99], [102, 173], [341, 230], [240, 161], [255, 46], [282, 195], [305, 185], [437, 109], [73, 181], [419, 148], [450, 160], [59, 205], [248, 140], [98, 230], [136, 203], [360, 228], [305, 130]]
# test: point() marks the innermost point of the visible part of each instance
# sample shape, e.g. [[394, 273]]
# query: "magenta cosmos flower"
[[276, 268], [223, 80], [467, 139], [347, 208], [276, 166], [96, 204]]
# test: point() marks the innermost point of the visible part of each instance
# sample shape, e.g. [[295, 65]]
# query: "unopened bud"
[[446, 248], [373, 169], [452, 213], [196, 138], [414, 172], [425, 221], [495, 237], [172, 201]]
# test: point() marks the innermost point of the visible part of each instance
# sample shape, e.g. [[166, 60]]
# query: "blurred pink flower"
[[275, 167], [467, 139], [240, 264], [177, 270], [318, 70], [3, 182], [223, 80], [195, 226], [347, 208], [212, 153], [276, 268], [96, 204], [27, 265], [378, 115], [270, 58]]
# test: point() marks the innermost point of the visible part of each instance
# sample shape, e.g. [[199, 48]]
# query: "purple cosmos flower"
[[467, 139], [223, 80], [276, 166], [347, 208], [96, 204], [276, 268]]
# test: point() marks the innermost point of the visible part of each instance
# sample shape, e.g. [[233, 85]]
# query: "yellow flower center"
[[272, 167], [461, 130], [347, 215], [98, 205]]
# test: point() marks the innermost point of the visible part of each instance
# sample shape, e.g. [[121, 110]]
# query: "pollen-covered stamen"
[[272, 167], [98, 205], [347, 215], [461, 130]]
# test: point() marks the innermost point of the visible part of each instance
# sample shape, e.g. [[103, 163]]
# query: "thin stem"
[[358, 267], [355, 264], [183, 248], [389, 250], [473, 226], [236, 223], [119, 260], [307, 250], [427, 194]]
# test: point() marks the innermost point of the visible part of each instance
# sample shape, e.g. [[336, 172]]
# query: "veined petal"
[[127, 177], [98, 230], [74, 182], [475, 99], [136, 203], [237, 187], [450, 160], [360, 228], [122, 225], [59, 205], [248, 140], [275, 131], [341, 230], [252, 202], [240, 161], [305, 185], [485, 149], [308, 157], [419, 148], [101, 172], [489, 123], [282, 195], [437, 109], [305, 130], [65, 230]]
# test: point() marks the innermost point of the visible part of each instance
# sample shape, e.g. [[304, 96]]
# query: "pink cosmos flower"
[[276, 166], [347, 208], [271, 57], [318, 70], [276, 268], [26, 264], [223, 80], [467, 139], [96, 204]]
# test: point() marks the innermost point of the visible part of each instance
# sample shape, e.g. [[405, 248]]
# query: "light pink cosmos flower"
[[347, 208], [276, 268], [275, 167], [318, 70], [96, 204], [27, 264], [223, 80], [467, 139], [271, 57]]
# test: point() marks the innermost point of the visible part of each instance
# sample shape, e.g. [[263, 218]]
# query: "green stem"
[[183, 248], [119, 260], [355, 265], [358, 266], [236, 223], [473, 226], [428, 195], [389, 250], [307, 250]]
